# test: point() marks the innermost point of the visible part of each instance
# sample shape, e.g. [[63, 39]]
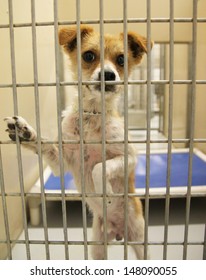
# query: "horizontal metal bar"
[[130, 82], [57, 196], [136, 20], [41, 242], [106, 21], [92, 142]]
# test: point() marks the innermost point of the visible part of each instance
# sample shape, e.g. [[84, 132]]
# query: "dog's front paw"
[[24, 131]]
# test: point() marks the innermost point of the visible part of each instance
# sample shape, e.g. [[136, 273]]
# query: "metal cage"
[[190, 140]]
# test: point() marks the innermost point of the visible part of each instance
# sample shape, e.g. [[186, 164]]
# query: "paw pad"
[[18, 126]]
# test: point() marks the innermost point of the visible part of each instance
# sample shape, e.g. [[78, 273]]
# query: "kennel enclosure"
[[166, 102]]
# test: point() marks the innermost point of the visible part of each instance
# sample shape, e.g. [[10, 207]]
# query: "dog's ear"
[[137, 44], [68, 35]]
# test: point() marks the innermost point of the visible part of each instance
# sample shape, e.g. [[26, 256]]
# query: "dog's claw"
[[7, 118], [11, 126], [12, 137]]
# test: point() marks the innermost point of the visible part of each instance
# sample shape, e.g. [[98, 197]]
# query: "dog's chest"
[[92, 136]]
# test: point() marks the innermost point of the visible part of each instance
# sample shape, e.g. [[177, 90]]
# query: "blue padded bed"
[[158, 173], [157, 186]]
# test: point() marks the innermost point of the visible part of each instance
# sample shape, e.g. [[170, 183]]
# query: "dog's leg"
[[114, 168], [136, 234], [98, 181], [27, 135], [97, 251]]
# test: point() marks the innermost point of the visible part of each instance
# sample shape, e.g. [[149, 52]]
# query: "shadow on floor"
[[156, 212]]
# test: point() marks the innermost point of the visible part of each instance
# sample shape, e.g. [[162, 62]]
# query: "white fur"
[[108, 66]]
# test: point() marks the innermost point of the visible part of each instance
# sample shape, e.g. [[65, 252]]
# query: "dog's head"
[[113, 55]]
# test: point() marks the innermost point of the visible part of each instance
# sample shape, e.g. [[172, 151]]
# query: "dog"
[[92, 132]]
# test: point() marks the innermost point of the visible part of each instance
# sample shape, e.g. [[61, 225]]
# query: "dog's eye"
[[88, 56], [120, 60]]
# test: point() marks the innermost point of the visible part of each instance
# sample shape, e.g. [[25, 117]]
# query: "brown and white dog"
[[92, 132]]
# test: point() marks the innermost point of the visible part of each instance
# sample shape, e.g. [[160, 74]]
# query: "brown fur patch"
[[113, 47]]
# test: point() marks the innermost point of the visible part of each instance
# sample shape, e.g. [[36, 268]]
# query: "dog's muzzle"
[[108, 76]]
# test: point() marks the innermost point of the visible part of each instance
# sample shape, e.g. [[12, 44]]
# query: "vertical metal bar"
[[101, 14], [204, 246], [80, 100], [148, 128], [61, 162], [192, 126], [37, 111], [19, 157], [170, 118], [5, 211], [125, 129]]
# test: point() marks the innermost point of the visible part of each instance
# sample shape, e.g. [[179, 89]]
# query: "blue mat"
[[54, 182], [158, 172], [179, 171]]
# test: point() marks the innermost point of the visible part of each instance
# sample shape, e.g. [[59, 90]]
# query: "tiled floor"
[[115, 252], [155, 233]]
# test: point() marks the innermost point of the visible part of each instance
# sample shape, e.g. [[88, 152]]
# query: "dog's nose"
[[108, 76]]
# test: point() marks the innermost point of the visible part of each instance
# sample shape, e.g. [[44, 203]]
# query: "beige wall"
[[136, 9], [181, 91], [24, 74], [200, 117], [180, 94]]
